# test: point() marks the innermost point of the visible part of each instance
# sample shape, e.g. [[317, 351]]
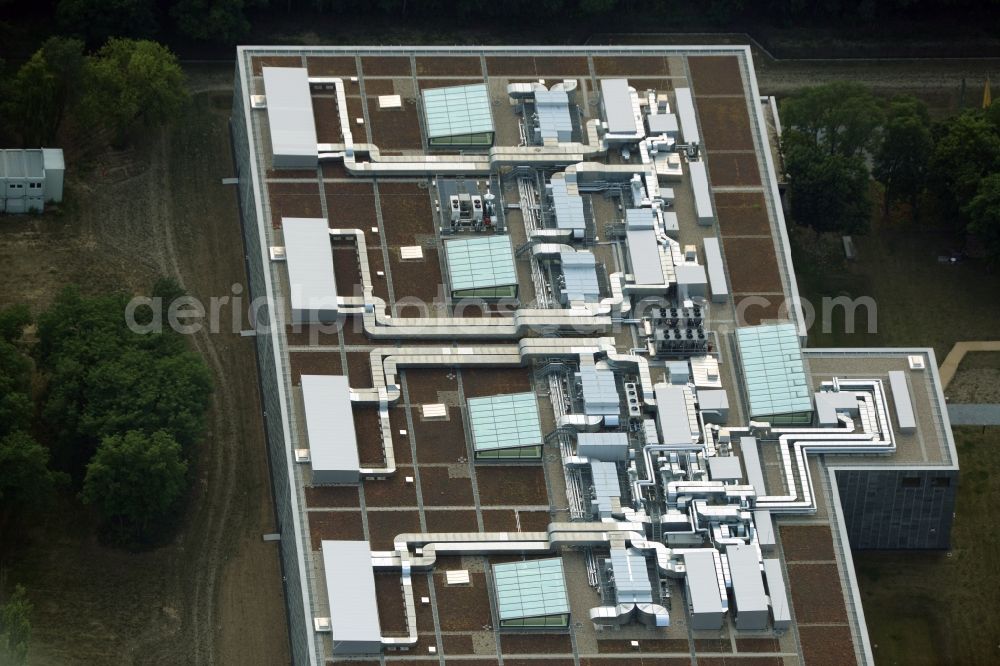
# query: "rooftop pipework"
[[682, 489]]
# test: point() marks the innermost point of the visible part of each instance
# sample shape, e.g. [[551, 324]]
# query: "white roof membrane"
[[311, 282], [618, 110], [350, 587], [333, 443], [290, 117]]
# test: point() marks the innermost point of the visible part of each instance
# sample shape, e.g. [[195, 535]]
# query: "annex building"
[[534, 370]]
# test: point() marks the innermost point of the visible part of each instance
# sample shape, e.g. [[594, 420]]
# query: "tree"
[[902, 158], [136, 482], [132, 81], [64, 58], [44, 87], [15, 627], [15, 380], [31, 95], [968, 149], [97, 20], [840, 118], [102, 379], [219, 21], [168, 290], [26, 482], [144, 392], [992, 114], [983, 213], [13, 320], [828, 192]]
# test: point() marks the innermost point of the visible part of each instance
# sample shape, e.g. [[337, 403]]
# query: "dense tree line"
[[123, 410], [120, 414], [123, 84], [839, 136], [26, 480], [225, 22]]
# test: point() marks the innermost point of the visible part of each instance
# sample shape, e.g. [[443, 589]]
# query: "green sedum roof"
[[530, 589], [504, 421], [457, 110], [480, 262], [773, 372]]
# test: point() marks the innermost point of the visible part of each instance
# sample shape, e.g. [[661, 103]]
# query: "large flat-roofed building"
[[604, 466]]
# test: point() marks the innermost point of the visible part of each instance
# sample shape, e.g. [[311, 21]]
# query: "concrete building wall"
[[898, 508], [269, 378], [29, 178]]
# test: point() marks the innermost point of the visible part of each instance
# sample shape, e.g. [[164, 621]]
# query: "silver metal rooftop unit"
[[714, 405], [687, 116], [749, 599], [672, 414], [671, 225], [350, 587], [580, 284], [632, 584], [829, 405], [725, 468], [663, 123], [691, 281], [702, 586], [901, 398], [333, 444], [607, 489], [702, 193], [311, 282], [568, 206], [781, 615], [644, 256], [554, 121], [751, 463], [679, 372], [465, 209], [640, 218], [290, 118], [716, 271], [619, 113], [606, 446], [765, 529], [600, 393]]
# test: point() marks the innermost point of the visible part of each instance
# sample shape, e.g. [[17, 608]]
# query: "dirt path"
[[213, 595], [226, 567]]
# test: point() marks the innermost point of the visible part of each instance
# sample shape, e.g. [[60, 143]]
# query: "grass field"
[[213, 594], [939, 608], [924, 608], [920, 302]]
